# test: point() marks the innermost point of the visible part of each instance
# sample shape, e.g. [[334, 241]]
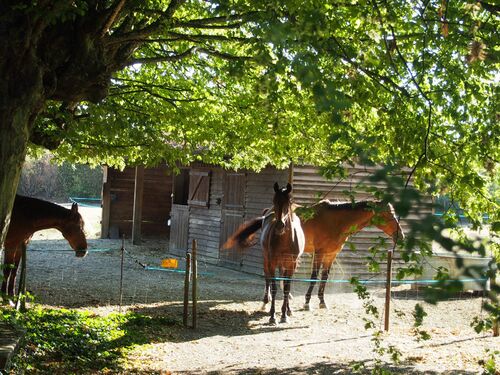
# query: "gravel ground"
[[233, 336]]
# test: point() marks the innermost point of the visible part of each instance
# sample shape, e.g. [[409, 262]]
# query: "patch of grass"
[[61, 341]]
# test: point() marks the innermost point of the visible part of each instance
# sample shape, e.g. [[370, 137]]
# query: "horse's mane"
[[38, 207], [364, 204]]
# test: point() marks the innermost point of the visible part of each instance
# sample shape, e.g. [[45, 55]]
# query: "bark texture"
[[21, 99]]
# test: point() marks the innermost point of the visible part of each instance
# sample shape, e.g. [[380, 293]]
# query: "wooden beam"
[[106, 203], [138, 198]]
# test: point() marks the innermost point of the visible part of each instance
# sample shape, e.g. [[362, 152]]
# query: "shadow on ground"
[[321, 368], [213, 320]]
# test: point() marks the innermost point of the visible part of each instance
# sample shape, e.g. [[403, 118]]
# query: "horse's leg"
[[318, 257], [327, 264], [11, 287], [267, 293], [11, 264], [285, 309], [274, 290], [282, 284], [21, 299], [6, 275]]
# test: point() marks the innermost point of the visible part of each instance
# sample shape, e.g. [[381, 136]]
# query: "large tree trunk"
[[15, 126], [21, 99]]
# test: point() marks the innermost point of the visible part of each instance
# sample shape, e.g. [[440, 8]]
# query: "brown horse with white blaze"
[[282, 241], [327, 226], [30, 215]]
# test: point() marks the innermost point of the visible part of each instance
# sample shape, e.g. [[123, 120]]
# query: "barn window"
[[199, 188]]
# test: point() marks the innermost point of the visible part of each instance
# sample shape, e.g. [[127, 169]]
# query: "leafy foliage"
[[247, 84], [44, 179], [372, 314], [70, 341]]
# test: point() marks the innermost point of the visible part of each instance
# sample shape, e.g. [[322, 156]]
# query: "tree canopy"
[[246, 83]]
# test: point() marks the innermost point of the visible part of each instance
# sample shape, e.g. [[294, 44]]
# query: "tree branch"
[[143, 32], [206, 37], [185, 54], [492, 8], [153, 60], [149, 84], [373, 75], [222, 55], [218, 22], [423, 155], [112, 18]]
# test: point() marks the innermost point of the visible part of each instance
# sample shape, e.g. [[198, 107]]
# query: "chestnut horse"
[[282, 241], [30, 215], [327, 226]]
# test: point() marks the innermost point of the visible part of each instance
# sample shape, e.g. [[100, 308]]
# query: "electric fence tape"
[[332, 281]]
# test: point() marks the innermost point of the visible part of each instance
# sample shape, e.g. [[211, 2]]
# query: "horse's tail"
[[245, 234], [398, 235]]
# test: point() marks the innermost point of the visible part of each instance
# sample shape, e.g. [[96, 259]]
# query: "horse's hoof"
[[284, 319], [289, 313], [307, 307], [323, 305], [263, 307], [272, 322]]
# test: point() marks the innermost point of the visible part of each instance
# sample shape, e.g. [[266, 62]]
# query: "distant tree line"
[[42, 178]]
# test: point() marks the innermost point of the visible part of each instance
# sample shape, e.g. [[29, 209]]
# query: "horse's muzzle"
[[80, 253]]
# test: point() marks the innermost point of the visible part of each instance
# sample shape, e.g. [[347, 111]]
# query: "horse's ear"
[[288, 188], [276, 187], [74, 208]]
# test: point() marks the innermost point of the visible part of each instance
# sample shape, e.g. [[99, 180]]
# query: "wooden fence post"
[[496, 323], [138, 203], [186, 288], [195, 281], [122, 251], [388, 290]]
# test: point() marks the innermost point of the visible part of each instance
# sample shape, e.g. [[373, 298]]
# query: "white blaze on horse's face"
[[282, 206]]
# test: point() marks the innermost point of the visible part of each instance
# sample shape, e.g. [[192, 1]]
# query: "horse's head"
[[72, 230], [282, 203], [389, 223]]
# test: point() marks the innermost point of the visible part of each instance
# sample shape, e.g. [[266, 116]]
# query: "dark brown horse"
[[282, 241], [30, 215], [327, 226]]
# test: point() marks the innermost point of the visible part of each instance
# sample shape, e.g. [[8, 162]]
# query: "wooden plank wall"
[[205, 222], [310, 186], [156, 202], [259, 195], [207, 227]]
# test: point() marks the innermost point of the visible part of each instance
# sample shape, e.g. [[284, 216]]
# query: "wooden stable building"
[[209, 203], [136, 202]]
